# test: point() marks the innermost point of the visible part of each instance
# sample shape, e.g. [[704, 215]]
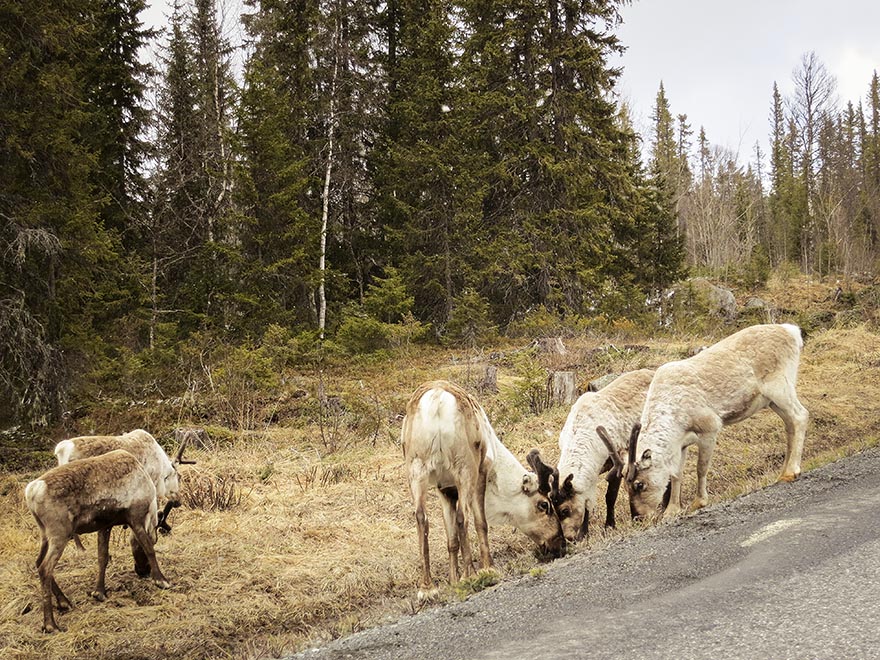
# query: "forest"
[[375, 174]]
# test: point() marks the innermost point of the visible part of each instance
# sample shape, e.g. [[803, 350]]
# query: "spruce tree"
[[61, 271], [116, 81], [418, 202], [173, 226], [557, 188]]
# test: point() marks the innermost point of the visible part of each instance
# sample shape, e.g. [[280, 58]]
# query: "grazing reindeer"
[[585, 453], [91, 495], [449, 443], [162, 470], [689, 401]]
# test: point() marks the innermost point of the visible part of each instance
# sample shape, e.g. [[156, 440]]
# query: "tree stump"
[[562, 388], [550, 345], [490, 380]]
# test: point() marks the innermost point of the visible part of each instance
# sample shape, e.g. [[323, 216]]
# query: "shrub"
[[359, 334], [210, 492], [756, 271], [469, 323], [387, 299], [530, 391], [240, 382]]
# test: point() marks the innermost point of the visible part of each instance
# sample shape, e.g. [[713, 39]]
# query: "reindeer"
[[163, 471], [689, 401], [91, 495], [449, 443], [594, 435]]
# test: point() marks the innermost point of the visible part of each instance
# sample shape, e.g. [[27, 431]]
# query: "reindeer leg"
[[141, 563], [61, 600], [795, 417], [673, 507], [145, 538], [706, 447], [449, 500], [418, 484], [462, 516], [147, 544], [103, 558], [480, 522], [614, 478], [46, 569]]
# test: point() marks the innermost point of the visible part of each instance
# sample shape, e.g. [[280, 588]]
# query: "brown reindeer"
[[91, 495], [162, 470], [143, 446]]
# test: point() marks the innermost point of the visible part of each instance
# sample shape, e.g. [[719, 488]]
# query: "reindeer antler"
[[179, 457], [615, 457], [633, 443], [545, 472]]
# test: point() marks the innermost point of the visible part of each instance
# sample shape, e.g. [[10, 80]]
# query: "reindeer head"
[[172, 479], [647, 484], [541, 523], [568, 507]]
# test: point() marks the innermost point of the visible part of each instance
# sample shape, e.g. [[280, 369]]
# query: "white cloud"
[[853, 67]]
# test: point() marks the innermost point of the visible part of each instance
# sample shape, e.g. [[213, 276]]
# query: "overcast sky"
[[718, 59]]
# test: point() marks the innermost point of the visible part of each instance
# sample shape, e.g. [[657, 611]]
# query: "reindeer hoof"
[[51, 629], [697, 504], [787, 478], [162, 584], [100, 596]]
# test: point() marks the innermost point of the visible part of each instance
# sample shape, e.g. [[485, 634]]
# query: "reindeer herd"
[[636, 430], [102, 482]]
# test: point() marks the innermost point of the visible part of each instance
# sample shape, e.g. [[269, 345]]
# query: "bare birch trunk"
[[154, 298], [322, 298]]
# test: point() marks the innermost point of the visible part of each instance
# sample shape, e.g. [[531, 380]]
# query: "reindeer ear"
[[530, 483], [645, 461], [567, 490]]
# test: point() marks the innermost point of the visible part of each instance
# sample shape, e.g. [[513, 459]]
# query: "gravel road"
[[791, 571]]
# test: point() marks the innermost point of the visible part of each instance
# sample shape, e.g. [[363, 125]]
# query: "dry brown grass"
[[322, 544]]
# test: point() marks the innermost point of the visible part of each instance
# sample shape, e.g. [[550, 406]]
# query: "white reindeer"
[[689, 401], [585, 453], [91, 495], [449, 443]]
